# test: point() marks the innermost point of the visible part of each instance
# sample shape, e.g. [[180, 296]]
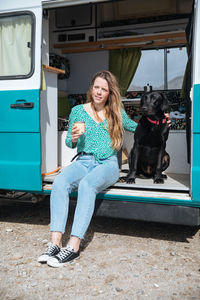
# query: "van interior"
[[145, 44]]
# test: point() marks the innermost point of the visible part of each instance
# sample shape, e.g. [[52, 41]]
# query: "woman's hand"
[[167, 116], [75, 134]]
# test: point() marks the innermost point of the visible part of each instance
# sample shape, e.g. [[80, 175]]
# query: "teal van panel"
[[196, 109], [20, 140], [196, 168], [196, 145], [20, 111], [20, 161]]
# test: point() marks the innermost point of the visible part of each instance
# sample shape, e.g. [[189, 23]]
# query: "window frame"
[[32, 69], [165, 69]]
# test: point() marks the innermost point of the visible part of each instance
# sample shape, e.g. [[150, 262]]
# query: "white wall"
[[82, 68], [49, 123], [176, 147], [82, 65], [45, 41]]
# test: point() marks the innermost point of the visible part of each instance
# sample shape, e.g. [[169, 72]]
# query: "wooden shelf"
[[53, 70], [144, 41]]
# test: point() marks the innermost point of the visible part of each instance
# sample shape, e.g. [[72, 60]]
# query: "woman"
[[95, 169]]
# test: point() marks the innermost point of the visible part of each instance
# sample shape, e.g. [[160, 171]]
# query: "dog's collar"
[[157, 122]]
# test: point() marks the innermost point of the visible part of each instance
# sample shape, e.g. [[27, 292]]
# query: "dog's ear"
[[142, 100], [165, 103]]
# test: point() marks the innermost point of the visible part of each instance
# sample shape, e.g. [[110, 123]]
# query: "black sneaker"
[[65, 255], [51, 251]]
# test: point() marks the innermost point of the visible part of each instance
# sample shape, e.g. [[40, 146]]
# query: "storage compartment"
[[65, 154], [74, 16]]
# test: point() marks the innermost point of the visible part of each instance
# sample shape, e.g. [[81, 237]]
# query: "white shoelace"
[[65, 252], [50, 248]]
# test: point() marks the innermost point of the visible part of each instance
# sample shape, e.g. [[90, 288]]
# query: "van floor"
[[174, 182]]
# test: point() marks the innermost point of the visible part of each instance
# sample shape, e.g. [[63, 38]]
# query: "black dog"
[[148, 156]]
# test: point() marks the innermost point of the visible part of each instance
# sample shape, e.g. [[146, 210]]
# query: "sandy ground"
[[120, 259]]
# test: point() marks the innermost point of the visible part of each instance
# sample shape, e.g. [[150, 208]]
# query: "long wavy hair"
[[113, 108]]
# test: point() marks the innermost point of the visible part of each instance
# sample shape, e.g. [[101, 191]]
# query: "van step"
[[174, 182]]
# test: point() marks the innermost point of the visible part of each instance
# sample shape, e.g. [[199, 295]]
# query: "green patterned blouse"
[[96, 139]]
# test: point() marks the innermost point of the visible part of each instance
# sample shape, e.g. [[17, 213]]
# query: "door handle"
[[22, 105]]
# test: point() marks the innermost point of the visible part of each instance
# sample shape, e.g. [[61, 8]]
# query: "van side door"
[[20, 80]]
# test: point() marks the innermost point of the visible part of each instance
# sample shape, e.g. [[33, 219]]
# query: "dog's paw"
[[122, 179], [159, 180], [164, 176], [130, 180]]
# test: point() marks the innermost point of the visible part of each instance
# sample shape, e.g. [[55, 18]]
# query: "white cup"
[[80, 126]]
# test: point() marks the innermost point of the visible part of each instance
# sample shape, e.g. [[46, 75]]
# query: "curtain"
[[123, 64], [15, 41]]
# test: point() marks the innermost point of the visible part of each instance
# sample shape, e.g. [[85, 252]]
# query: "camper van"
[[49, 52]]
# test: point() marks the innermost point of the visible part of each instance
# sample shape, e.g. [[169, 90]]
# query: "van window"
[[16, 40], [176, 64], [162, 69]]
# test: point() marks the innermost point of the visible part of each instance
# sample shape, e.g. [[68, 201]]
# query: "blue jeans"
[[90, 177]]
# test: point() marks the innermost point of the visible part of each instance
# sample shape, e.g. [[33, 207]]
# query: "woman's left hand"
[[167, 116]]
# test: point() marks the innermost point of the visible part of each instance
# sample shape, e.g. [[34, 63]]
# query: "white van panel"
[[196, 70], [13, 5], [34, 82]]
